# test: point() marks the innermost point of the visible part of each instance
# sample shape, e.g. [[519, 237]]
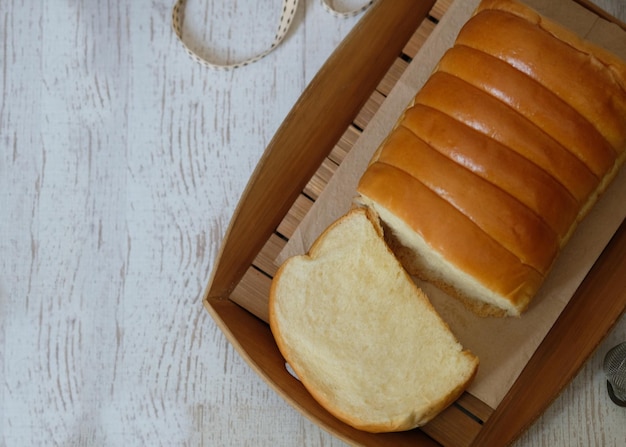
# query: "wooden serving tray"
[[294, 169]]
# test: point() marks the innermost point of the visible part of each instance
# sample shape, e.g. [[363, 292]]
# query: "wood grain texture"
[[121, 165]]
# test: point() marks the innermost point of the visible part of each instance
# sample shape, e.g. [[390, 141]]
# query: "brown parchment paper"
[[503, 345]]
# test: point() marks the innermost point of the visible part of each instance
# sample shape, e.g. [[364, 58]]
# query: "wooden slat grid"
[[459, 424]]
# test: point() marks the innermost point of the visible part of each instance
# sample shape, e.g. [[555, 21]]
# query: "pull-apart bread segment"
[[361, 337], [504, 150]]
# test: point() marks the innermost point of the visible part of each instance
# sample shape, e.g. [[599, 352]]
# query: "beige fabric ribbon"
[[286, 18]]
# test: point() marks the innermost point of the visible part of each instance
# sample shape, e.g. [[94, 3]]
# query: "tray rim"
[[216, 299]]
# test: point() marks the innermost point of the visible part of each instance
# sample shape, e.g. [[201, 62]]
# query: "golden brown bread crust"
[[517, 228], [485, 157], [539, 105], [474, 108], [450, 233], [579, 77], [615, 66], [525, 107]]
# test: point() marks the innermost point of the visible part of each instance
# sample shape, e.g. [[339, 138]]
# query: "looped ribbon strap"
[[286, 18]]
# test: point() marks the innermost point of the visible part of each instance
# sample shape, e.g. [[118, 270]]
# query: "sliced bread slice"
[[361, 337]]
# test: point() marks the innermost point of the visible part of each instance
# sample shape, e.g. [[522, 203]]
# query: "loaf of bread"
[[361, 337], [504, 150]]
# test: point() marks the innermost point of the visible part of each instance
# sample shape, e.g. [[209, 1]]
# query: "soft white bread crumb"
[[362, 338]]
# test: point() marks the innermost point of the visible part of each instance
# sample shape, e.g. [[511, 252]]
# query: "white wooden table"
[[122, 162]]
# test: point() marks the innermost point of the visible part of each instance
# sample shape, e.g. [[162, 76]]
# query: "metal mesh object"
[[615, 370]]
